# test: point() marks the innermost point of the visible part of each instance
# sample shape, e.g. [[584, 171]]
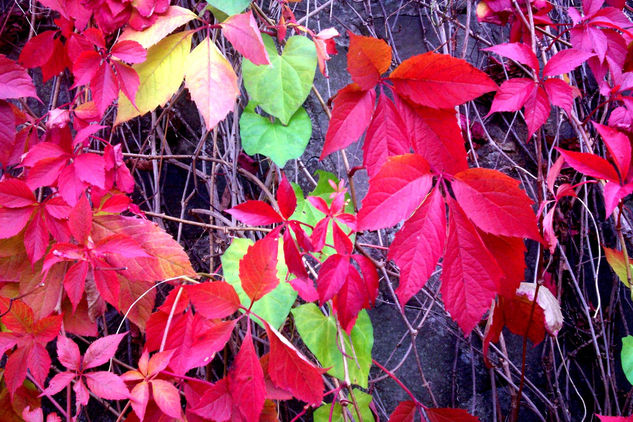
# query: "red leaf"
[[470, 276], [139, 396], [615, 418], [350, 299], [85, 67], [38, 49], [512, 95], [450, 415], [435, 135], [129, 51], [80, 220], [107, 385], [68, 353], [619, 147], [242, 31], [367, 59], [291, 371], [129, 82], [75, 282], [90, 168], [213, 300], [565, 61], [440, 81], [14, 193], [8, 134], [509, 252], [332, 276], [258, 268], [395, 192], [104, 87], [518, 52], [15, 82], [560, 93], [286, 198], [537, 110], [386, 136], [405, 412], [350, 117], [101, 351], [246, 381], [216, 403], [495, 203], [255, 213], [590, 165], [418, 246]]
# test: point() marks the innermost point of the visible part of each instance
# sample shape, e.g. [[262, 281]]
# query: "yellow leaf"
[[164, 25], [211, 82], [160, 76]]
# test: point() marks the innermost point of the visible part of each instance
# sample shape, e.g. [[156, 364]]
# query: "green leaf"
[[318, 332], [275, 306], [278, 142], [322, 414], [230, 7], [627, 357], [281, 87]]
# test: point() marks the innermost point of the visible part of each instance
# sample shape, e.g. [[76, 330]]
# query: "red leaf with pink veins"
[[565, 61], [107, 385], [246, 381], [435, 135], [75, 282], [258, 268], [242, 32], [519, 52], [450, 415], [332, 276], [590, 165], [38, 49], [213, 300], [386, 136], [291, 371], [15, 81], [619, 147], [107, 284], [129, 51], [38, 361], [104, 87], [418, 246], [351, 114], [367, 59], [395, 192], [405, 412], [560, 93], [440, 81], [470, 275], [512, 95], [255, 213], [495, 203], [102, 350]]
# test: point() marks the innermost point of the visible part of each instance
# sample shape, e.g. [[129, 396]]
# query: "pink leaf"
[[102, 350], [619, 147], [139, 397], [15, 82], [332, 275], [37, 51], [68, 353], [512, 95], [590, 165], [107, 385], [560, 93], [242, 31], [58, 383], [565, 61], [518, 52], [129, 51]]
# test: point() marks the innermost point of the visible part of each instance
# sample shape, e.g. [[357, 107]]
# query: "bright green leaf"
[[230, 7], [281, 87], [278, 142], [322, 414], [627, 357], [160, 76], [274, 306], [318, 332]]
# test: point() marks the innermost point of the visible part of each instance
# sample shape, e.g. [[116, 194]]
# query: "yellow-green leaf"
[[164, 25], [211, 82], [160, 76]]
